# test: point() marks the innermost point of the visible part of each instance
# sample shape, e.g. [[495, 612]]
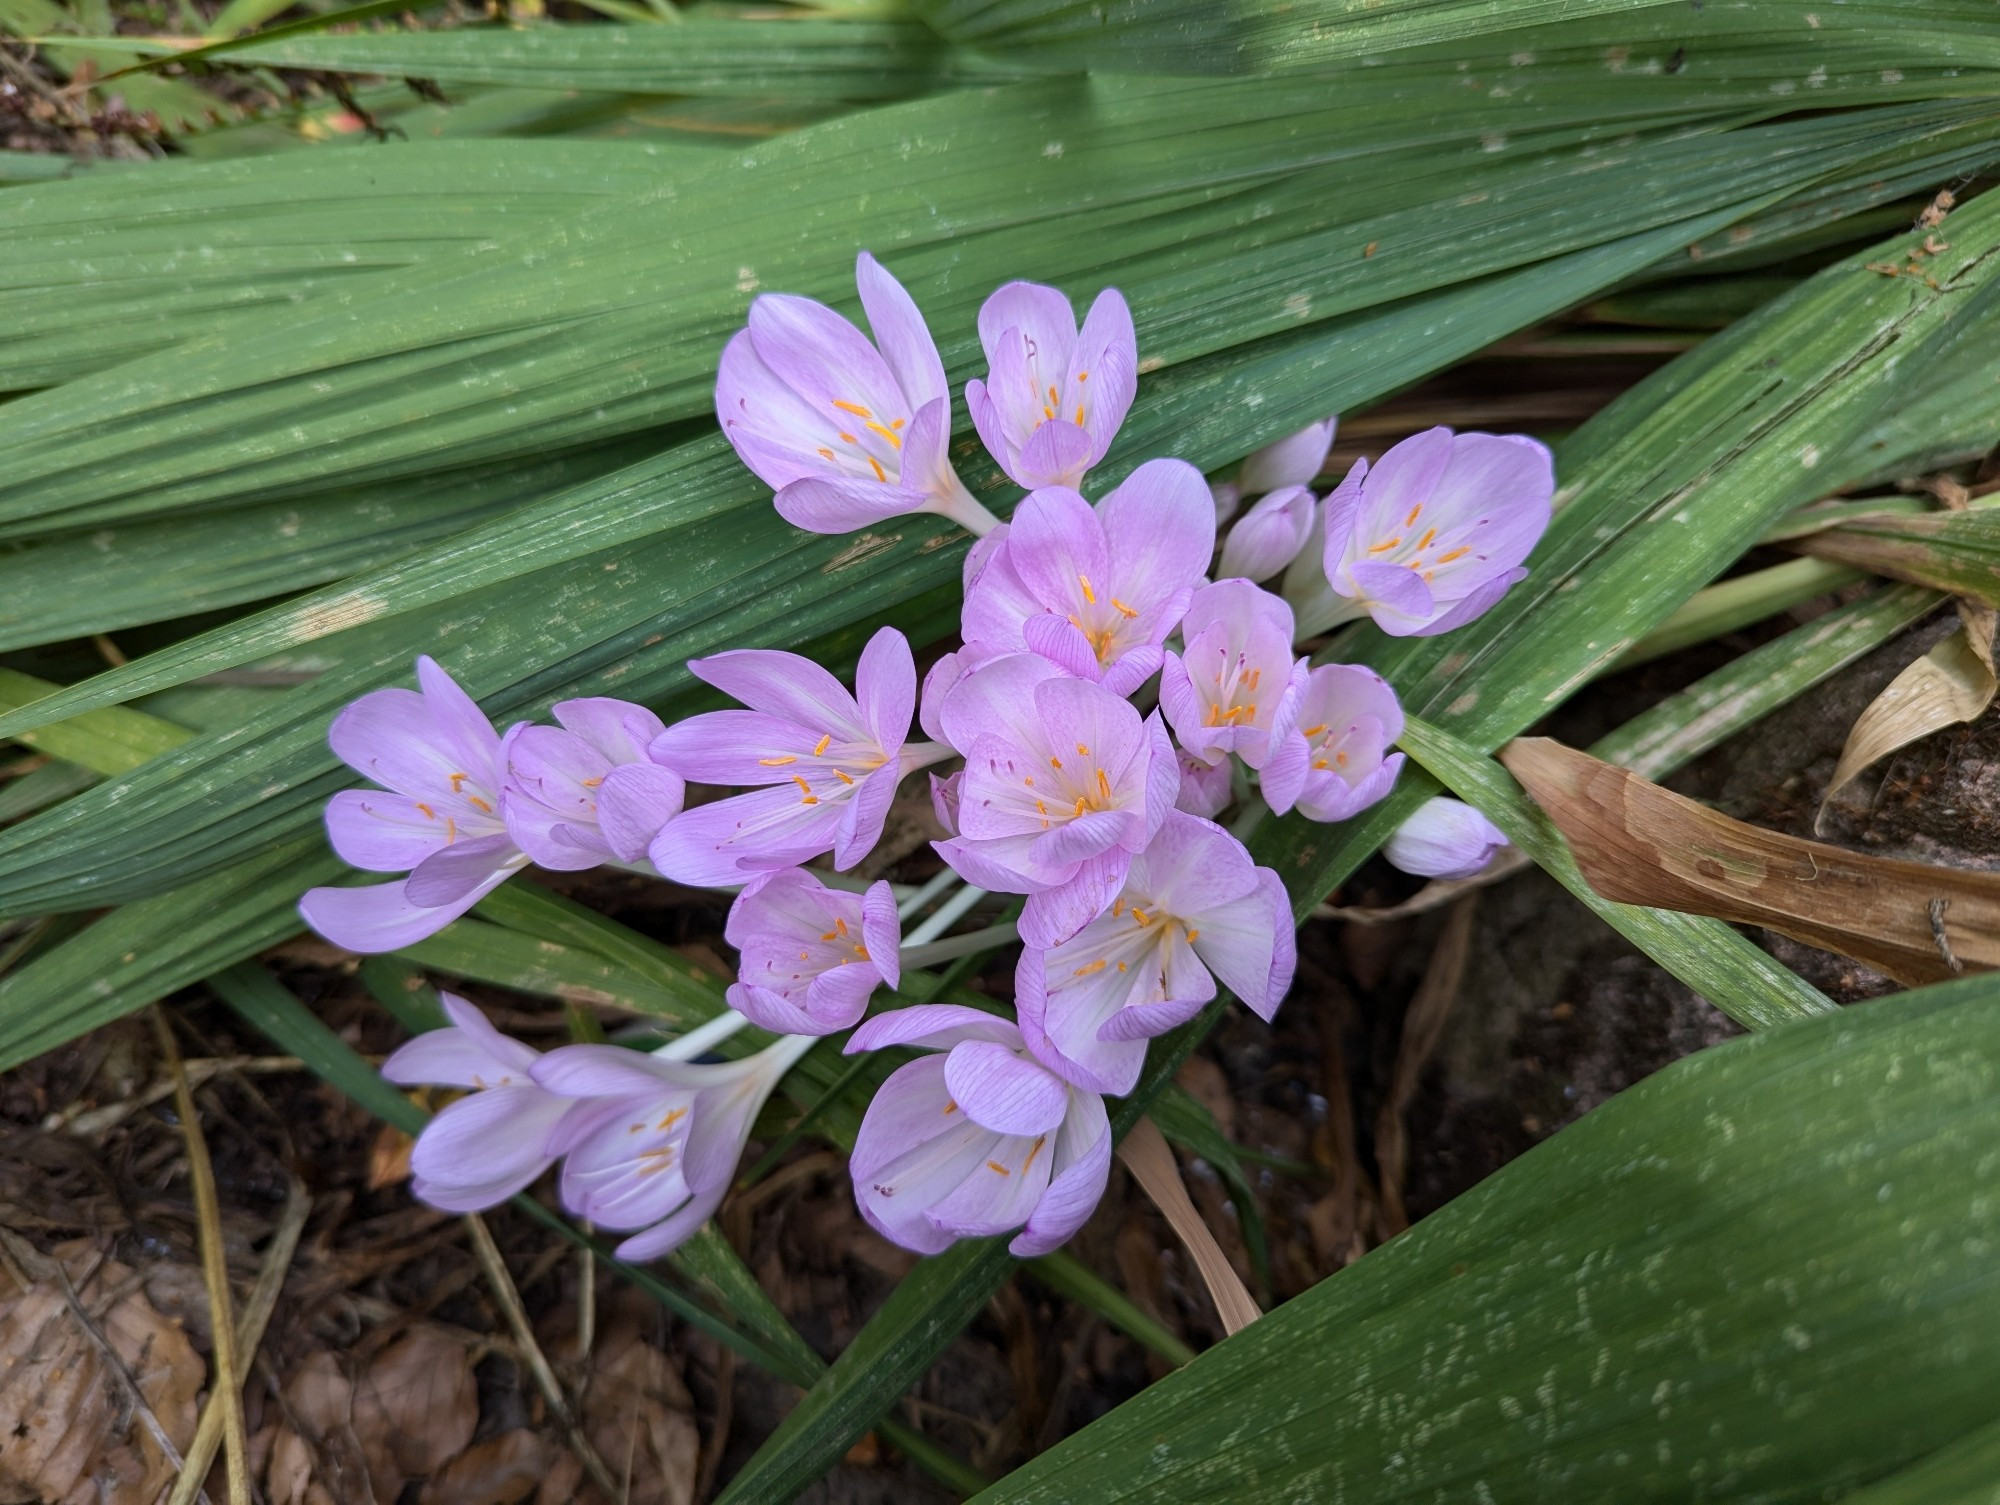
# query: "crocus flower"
[[1291, 461], [1205, 787], [585, 793], [1436, 532], [1053, 397], [834, 760], [660, 1143], [1194, 908], [1444, 839], [1270, 535], [846, 433], [811, 955], [1097, 590], [443, 766], [980, 1139], [1236, 682], [1330, 760], [480, 1150], [1063, 786]]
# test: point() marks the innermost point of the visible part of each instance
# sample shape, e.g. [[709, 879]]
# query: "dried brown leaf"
[[415, 1408], [314, 1459], [1145, 1153], [389, 1157], [1637, 843], [503, 1470], [67, 1431], [1950, 684], [637, 1414]]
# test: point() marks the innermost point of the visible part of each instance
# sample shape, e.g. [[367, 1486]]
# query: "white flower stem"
[[953, 947], [703, 1037], [965, 509], [925, 894], [1322, 611], [947, 914], [784, 1055]]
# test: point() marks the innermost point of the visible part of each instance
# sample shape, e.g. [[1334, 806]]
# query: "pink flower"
[[585, 792], [1053, 398], [847, 434], [1194, 908], [1237, 680], [1444, 839], [443, 766], [833, 760], [1436, 532], [1291, 461], [480, 1150], [1063, 786], [978, 1140], [1096, 590], [811, 955], [1330, 760], [1269, 536], [1206, 788]]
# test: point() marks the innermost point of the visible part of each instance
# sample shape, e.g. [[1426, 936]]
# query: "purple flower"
[[1194, 908], [1096, 590], [1053, 397], [978, 1140], [1205, 787], [1269, 536], [443, 765], [811, 955], [480, 1150], [1444, 839], [1329, 760], [847, 434], [661, 1139], [1291, 461], [834, 761], [585, 792], [1237, 679], [1063, 786], [1436, 532]]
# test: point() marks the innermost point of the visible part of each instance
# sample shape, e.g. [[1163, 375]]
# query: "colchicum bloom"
[[480, 1150], [1444, 839], [443, 765], [811, 954], [978, 1140], [1194, 908], [1269, 536], [1236, 682], [1096, 590], [833, 758], [1053, 396], [585, 793], [660, 1142], [1291, 461], [1436, 532], [1329, 762], [1206, 788], [1063, 786], [845, 433]]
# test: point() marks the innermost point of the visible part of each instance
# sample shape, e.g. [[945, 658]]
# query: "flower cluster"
[[1107, 700]]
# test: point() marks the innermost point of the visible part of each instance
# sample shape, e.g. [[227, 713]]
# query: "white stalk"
[[947, 915], [926, 893], [956, 946], [703, 1037]]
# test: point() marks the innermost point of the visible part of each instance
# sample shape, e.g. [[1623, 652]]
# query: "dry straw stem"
[[1637, 843], [1950, 684], [249, 1336], [214, 1270], [1147, 1157], [1423, 1026]]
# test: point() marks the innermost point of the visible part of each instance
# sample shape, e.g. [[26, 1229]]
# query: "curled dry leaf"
[[1145, 1153], [415, 1408], [1950, 684], [314, 1458], [68, 1431], [1637, 843], [638, 1415], [503, 1470]]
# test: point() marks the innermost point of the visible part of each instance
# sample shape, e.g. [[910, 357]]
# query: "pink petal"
[[616, 728], [823, 358], [785, 685], [885, 687], [724, 843], [382, 917], [1394, 594], [1054, 915], [1269, 536], [1160, 528], [634, 802], [842, 504], [1001, 1091], [1292, 461], [382, 833], [775, 1012], [1042, 315], [464, 729], [1062, 643], [1057, 454], [882, 931], [934, 1026], [1106, 359], [900, 332], [465, 867], [864, 813], [1083, 1151]]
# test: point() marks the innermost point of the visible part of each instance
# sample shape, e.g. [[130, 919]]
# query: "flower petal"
[[722, 844], [1001, 1091], [473, 867], [635, 801], [785, 685], [1083, 1153], [934, 1026], [380, 832], [842, 504], [900, 332], [1292, 461], [1159, 525], [382, 917], [885, 688]]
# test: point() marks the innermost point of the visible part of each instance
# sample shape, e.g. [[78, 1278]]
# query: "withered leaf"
[[415, 1408], [503, 1470], [1637, 843], [1946, 686], [1954, 551]]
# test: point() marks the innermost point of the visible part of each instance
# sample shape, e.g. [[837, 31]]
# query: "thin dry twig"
[[214, 1271], [88, 1123], [249, 1338], [1145, 1153], [1423, 1026], [488, 1254], [1433, 895]]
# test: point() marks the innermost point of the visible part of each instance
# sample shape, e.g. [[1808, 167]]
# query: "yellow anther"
[[1033, 1150], [1093, 967], [592, 783], [825, 453], [1140, 917], [480, 804], [457, 779], [1103, 785], [1194, 935], [1214, 717], [1410, 521], [1088, 594], [886, 433], [1386, 544], [849, 438], [1121, 966], [1079, 805], [825, 741], [880, 474], [429, 813], [1083, 376], [950, 1108], [1425, 542], [1082, 751], [1313, 731], [1028, 780], [1454, 554], [806, 790], [1079, 415], [843, 777], [1055, 763], [1054, 396], [852, 407], [778, 762], [674, 1116], [1123, 609], [896, 423], [450, 830], [997, 1168], [1319, 762]]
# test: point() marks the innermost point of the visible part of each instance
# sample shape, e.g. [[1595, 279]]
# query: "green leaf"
[[1759, 1274], [1955, 552], [1717, 962]]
